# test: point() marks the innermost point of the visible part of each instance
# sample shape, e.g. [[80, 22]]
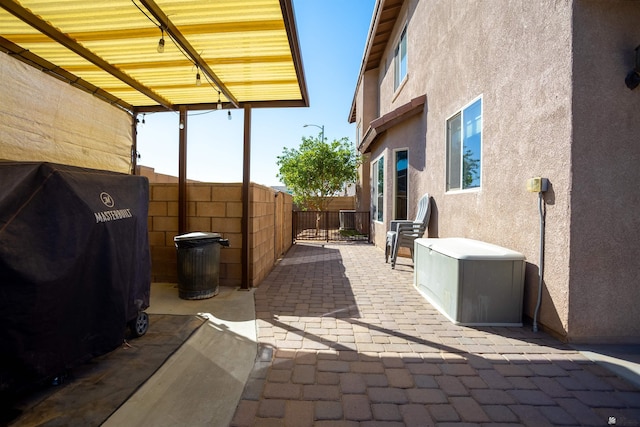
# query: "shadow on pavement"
[[89, 393]]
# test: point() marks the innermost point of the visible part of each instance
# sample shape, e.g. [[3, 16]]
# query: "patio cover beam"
[[182, 172], [45, 28], [179, 38], [246, 200], [288, 16], [53, 70]]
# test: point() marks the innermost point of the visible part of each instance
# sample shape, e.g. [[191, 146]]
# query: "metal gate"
[[346, 225]]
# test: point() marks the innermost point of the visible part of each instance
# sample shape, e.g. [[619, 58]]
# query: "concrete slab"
[[90, 392], [202, 382], [622, 359]]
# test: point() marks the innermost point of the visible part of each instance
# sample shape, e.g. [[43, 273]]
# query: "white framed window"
[[464, 147], [400, 60], [401, 183], [378, 189]]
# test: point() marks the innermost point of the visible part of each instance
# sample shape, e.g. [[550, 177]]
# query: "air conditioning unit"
[[347, 219], [469, 281]]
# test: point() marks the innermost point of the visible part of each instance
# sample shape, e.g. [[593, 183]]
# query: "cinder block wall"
[[270, 231], [217, 208], [153, 176], [338, 203], [342, 203]]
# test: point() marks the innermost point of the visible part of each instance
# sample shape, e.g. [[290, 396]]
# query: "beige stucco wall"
[[605, 244], [551, 78], [367, 109], [517, 57], [410, 136], [518, 60], [363, 186], [371, 108], [47, 120]]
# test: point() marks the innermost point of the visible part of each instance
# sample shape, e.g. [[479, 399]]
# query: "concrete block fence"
[[216, 207]]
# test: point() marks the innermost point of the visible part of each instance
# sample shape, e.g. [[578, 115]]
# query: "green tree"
[[317, 171], [471, 169]]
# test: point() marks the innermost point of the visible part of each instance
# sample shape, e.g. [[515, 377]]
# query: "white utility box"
[[471, 282]]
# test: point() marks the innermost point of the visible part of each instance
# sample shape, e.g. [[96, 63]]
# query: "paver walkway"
[[344, 340]]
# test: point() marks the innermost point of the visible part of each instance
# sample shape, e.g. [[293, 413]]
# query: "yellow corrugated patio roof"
[[246, 51]]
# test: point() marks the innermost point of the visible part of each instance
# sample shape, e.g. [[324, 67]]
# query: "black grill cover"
[[74, 266]]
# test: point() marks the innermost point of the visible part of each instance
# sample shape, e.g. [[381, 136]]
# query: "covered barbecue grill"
[[74, 267]]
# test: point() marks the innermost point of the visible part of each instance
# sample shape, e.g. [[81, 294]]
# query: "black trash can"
[[199, 264]]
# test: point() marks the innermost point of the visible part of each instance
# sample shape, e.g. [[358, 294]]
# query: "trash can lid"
[[197, 235]]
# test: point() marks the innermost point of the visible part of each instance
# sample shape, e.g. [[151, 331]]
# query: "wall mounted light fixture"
[[633, 77]]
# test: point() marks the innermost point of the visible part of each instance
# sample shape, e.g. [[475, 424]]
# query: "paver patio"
[[344, 340]]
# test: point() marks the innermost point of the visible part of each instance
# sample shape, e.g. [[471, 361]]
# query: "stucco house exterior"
[[467, 100]]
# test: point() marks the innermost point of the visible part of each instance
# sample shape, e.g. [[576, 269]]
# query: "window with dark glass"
[[378, 189], [400, 60], [401, 183]]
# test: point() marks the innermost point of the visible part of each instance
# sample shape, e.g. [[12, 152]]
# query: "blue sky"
[[332, 35]]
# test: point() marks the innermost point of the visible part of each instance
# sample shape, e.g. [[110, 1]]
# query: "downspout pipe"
[[542, 209]]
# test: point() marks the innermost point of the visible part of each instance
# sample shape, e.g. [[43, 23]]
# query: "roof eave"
[[365, 56], [393, 8], [391, 119]]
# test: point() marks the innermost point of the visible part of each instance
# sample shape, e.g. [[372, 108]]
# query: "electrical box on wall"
[[537, 185]]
